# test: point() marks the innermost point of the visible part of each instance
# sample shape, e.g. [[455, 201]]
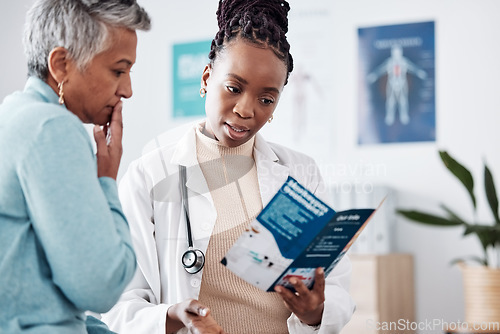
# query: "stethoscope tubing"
[[193, 259]]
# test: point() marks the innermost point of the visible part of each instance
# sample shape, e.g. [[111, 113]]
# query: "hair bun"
[[263, 22], [273, 10]]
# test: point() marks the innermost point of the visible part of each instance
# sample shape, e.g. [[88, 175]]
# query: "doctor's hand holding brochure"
[[292, 236]]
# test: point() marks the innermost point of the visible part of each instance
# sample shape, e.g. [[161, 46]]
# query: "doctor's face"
[[243, 89]]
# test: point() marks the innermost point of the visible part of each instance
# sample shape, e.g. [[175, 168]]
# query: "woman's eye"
[[267, 101], [232, 89]]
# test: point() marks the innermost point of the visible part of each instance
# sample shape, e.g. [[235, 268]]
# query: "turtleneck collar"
[[213, 148]]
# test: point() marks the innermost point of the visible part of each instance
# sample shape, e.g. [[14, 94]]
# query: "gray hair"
[[83, 27]]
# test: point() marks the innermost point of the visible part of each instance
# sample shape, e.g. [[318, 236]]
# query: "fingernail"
[[97, 128], [203, 312], [321, 271], [108, 137], [293, 281]]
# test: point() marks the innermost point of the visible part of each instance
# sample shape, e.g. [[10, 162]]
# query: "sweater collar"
[[185, 154], [212, 148], [39, 87], [265, 159]]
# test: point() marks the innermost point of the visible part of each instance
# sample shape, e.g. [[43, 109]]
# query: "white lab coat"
[[150, 197]]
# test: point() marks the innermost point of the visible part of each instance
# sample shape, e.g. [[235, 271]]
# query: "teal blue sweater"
[[65, 245]]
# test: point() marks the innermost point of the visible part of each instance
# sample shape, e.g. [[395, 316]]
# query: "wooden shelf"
[[383, 288]]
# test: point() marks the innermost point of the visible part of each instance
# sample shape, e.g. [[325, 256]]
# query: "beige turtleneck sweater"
[[236, 305]]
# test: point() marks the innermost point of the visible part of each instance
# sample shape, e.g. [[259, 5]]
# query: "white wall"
[[467, 69], [12, 68], [467, 72]]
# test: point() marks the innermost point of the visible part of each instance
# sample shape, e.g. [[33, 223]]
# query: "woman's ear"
[[58, 63], [207, 71]]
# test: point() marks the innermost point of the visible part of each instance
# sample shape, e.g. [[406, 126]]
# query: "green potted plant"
[[481, 283]]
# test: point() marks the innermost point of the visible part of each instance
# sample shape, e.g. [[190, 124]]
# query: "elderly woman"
[[65, 246]]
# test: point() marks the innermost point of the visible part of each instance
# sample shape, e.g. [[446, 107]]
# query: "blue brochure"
[[292, 236]]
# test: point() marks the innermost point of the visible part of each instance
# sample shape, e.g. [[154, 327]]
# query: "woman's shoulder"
[[42, 119], [167, 139], [32, 110], [157, 154], [31, 118]]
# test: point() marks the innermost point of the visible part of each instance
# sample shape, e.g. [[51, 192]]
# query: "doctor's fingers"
[[196, 318], [302, 303], [194, 307], [307, 305], [313, 297], [203, 325], [319, 282], [199, 328], [304, 300]]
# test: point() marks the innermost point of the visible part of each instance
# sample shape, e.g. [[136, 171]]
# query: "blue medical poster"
[[396, 84], [189, 60]]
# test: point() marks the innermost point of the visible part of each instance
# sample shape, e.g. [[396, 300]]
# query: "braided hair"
[[261, 22]]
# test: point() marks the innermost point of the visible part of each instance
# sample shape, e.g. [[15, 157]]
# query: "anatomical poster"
[[396, 84]]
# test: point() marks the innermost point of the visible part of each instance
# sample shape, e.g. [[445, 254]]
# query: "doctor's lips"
[[237, 128]]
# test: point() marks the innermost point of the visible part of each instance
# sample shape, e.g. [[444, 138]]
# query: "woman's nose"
[[244, 108], [125, 88]]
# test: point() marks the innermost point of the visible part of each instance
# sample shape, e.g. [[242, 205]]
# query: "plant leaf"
[[428, 219], [489, 235], [461, 173], [453, 215], [491, 193]]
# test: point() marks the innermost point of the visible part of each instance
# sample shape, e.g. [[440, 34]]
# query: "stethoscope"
[[193, 259]]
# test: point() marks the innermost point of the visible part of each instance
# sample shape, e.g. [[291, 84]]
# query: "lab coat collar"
[[271, 173], [265, 151], [185, 155]]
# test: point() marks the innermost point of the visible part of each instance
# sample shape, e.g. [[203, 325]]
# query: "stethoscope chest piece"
[[193, 260]]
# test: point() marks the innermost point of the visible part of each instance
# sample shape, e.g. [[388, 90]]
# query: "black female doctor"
[[231, 173]]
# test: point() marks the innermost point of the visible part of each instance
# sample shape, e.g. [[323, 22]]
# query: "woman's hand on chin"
[[109, 144]]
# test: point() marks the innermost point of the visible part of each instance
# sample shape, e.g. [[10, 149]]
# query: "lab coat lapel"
[[203, 218], [270, 172], [185, 155]]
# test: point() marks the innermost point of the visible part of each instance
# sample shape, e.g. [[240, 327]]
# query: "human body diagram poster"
[[397, 84]]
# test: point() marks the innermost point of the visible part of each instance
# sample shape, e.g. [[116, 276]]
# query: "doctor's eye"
[[267, 101], [232, 89]]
